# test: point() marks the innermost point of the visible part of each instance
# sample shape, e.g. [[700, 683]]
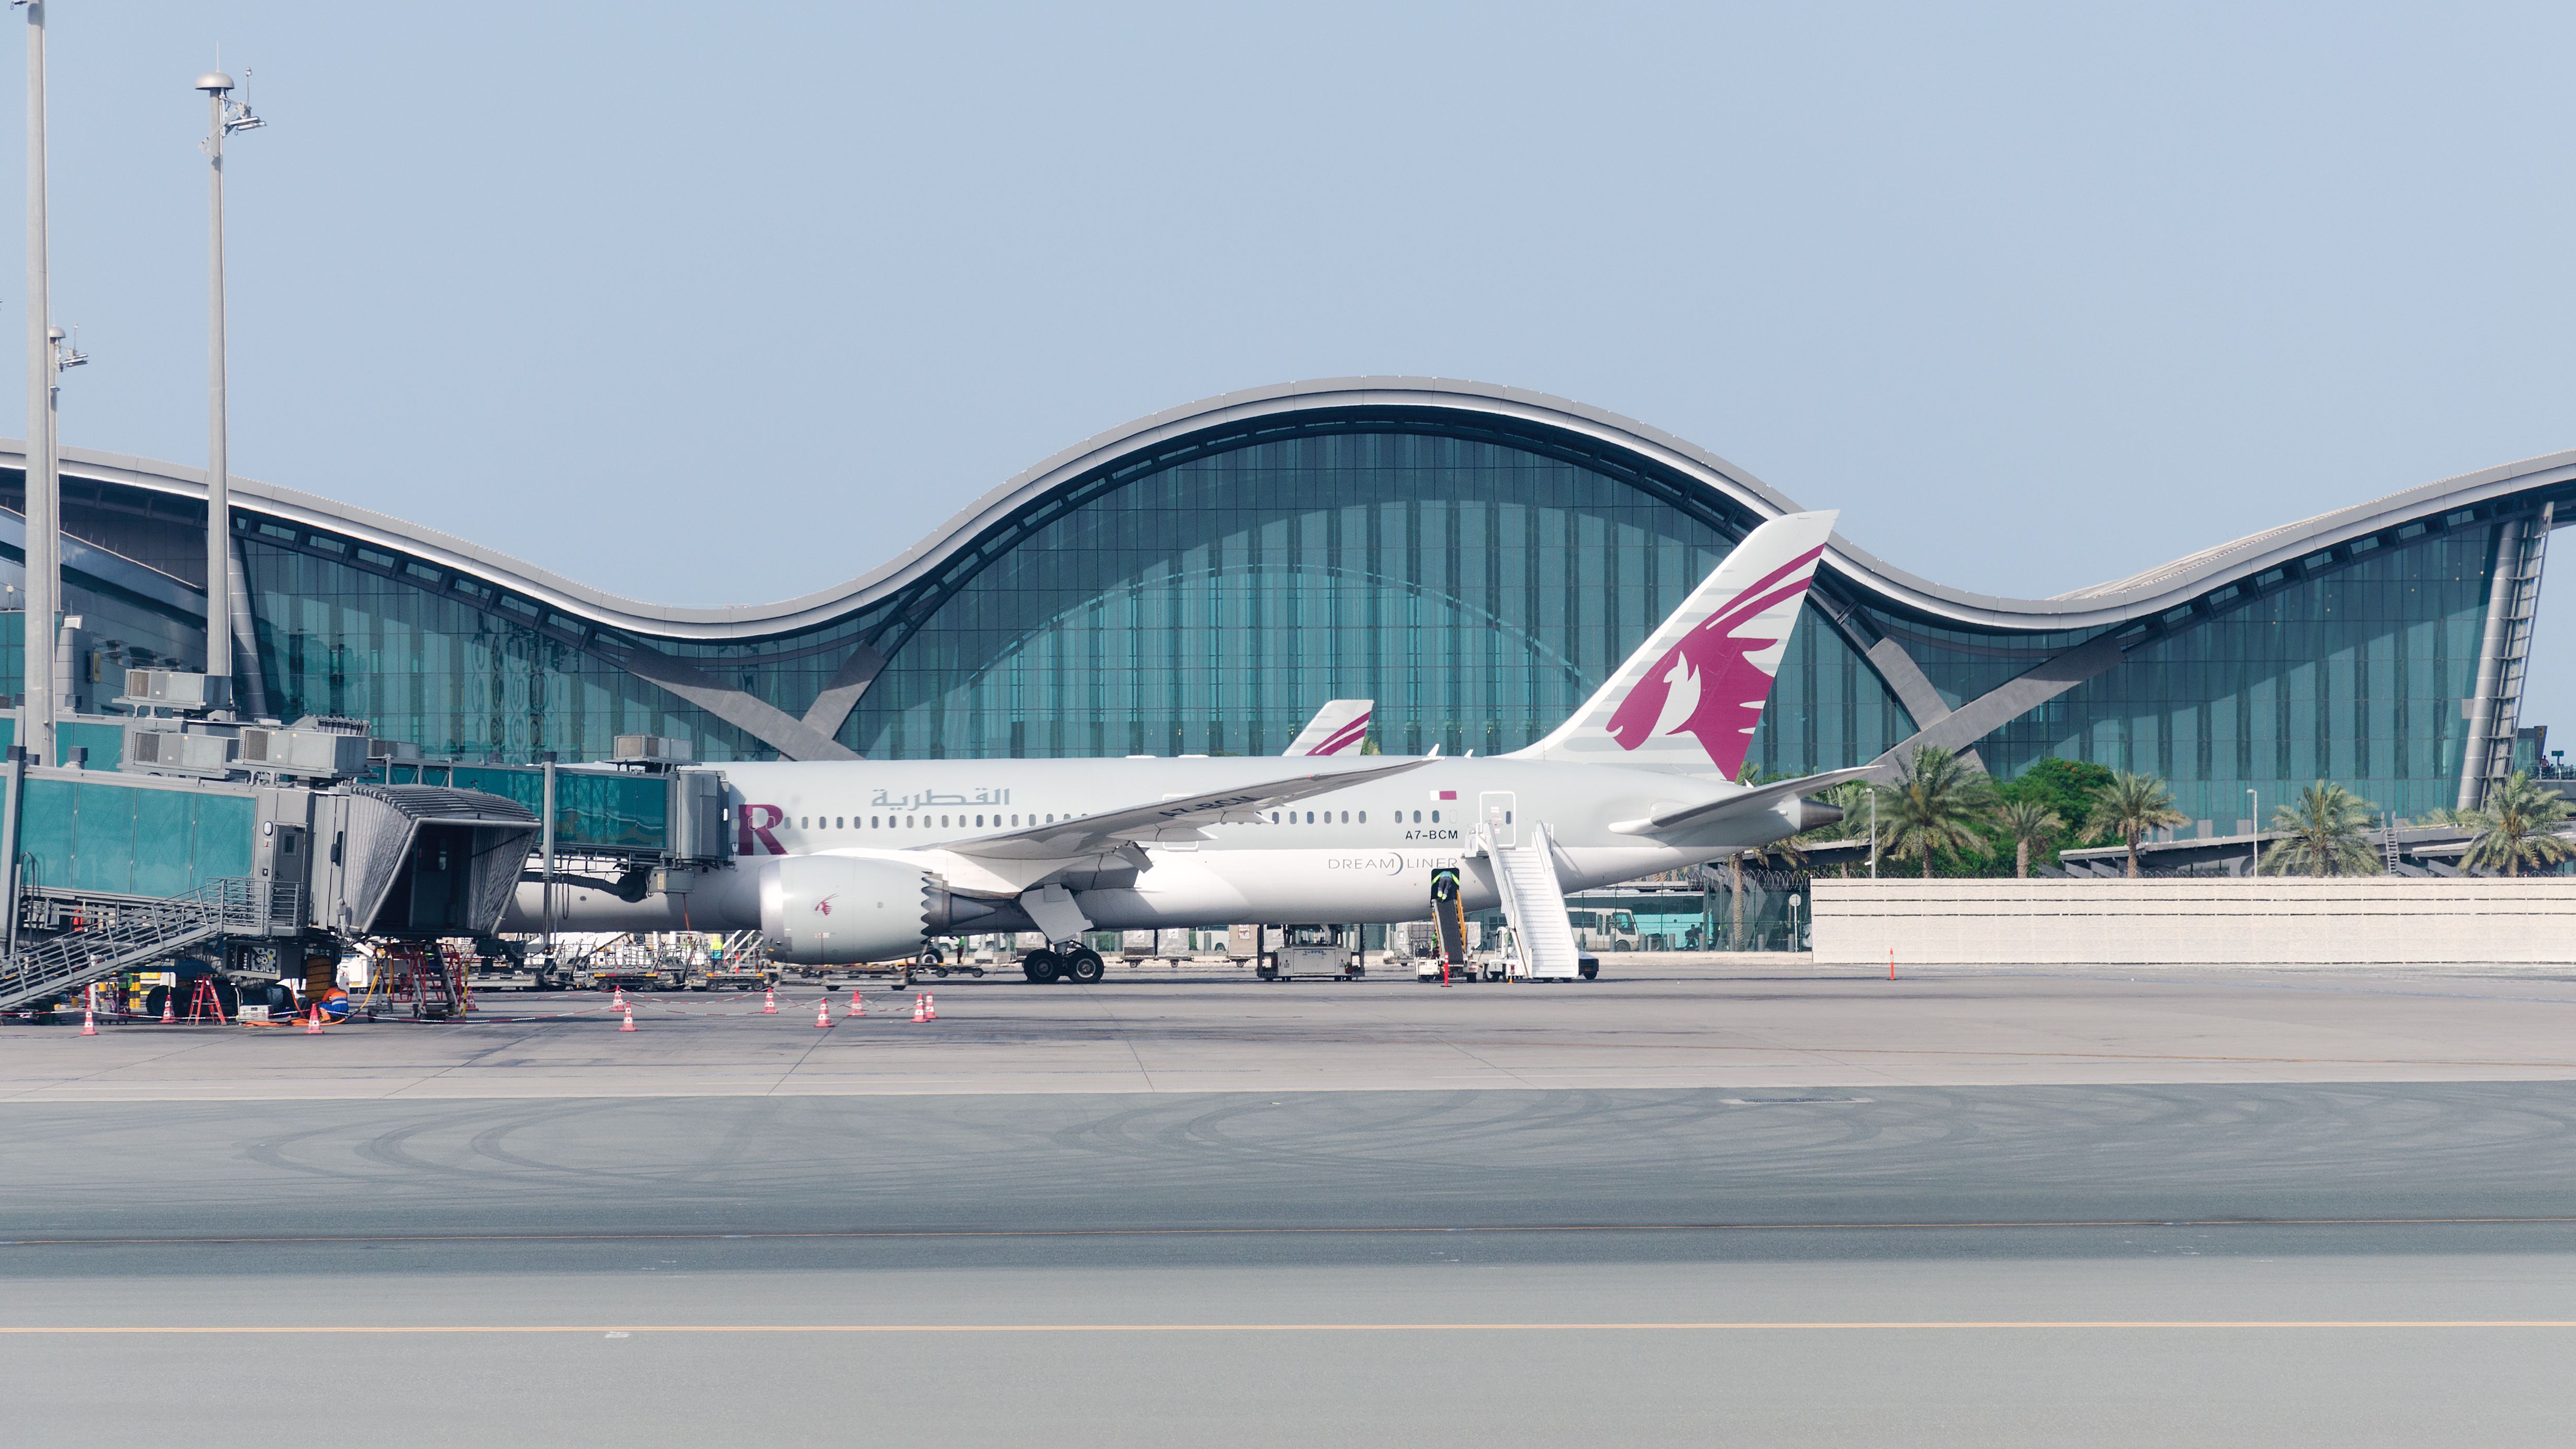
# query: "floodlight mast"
[[44, 577], [224, 116]]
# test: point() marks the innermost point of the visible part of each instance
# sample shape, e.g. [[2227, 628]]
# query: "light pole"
[[2254, 842], [1873, 835], [44, 578], [224, 116], [67, 355]]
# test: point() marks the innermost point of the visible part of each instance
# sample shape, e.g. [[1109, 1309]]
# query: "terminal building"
[[1473, 558]]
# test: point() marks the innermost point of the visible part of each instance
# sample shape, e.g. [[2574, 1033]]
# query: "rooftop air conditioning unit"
[[168, 752], [175, 689], [649, 750]]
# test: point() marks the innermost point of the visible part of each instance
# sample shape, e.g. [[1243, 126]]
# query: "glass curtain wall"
[[1477, 592], [2354, 675], [423, 659]]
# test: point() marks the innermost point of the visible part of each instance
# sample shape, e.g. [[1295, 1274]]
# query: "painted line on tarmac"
[[612, 1330], [184, 1240]]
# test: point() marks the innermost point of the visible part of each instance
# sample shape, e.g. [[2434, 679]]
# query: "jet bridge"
[[119, 871]]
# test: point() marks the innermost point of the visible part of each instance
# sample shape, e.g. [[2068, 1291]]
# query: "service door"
[[1494, 808]]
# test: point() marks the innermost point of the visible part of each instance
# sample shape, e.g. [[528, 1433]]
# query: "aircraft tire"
[[1041, 967], [1085, 967]]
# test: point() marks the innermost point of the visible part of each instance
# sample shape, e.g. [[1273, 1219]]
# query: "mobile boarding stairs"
[[1524, 868]]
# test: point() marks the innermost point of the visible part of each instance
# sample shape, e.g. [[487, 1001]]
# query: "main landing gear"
[[1081, 964]]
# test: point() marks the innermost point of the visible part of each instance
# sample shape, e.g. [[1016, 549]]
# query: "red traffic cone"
[[167, 1015], [629, 1023], [769, 1003], [89, 1022], [920, 1005], [823, 1012], [617, 998], [313, 1023], [929, 1007], [857, 1007]]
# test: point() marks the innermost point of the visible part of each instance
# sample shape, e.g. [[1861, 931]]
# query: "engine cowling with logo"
[[833, 910]]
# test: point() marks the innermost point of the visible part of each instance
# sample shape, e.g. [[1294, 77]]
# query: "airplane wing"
[[1340, 725], [1753, 801], [1177, 817]]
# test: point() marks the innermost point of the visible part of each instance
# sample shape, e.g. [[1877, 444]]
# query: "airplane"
[[851, 862], [1340, 725]]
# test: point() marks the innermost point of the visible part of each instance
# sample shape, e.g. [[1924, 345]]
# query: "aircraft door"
[[1494, 807]]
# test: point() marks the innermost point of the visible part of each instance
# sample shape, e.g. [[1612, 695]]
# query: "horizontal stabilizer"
[[1753, 801]]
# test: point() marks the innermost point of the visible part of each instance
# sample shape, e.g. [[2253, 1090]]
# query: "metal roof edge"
[[2140, 594]]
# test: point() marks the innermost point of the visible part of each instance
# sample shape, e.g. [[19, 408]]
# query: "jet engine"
[[837, 910]]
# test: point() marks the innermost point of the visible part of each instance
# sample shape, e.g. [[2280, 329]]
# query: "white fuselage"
[[1365, 853]]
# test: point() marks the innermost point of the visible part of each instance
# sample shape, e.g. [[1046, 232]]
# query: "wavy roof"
[[2129, 598]]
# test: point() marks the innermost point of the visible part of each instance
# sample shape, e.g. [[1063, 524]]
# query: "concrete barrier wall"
[[2378, 921]]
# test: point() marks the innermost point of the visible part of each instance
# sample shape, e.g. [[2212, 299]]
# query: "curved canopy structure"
[[1472, 557]]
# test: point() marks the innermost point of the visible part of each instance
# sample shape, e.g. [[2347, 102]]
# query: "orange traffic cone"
[[823, 1012], [89, 1022], [617, 998], [919, 1006], [313, 1024], [629, 1023], [929, 1007], [857, 1007], [769, 1003]]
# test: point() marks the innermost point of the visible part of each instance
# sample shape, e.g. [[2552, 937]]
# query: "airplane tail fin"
[[1688, 700], [1336, 729]]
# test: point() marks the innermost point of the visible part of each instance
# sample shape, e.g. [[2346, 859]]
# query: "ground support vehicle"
[[957, 958], [1478, 958], [1310, 949], [732, 973], [1499, 959]]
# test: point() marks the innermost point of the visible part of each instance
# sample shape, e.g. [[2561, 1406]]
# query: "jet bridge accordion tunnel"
[[418, 860]]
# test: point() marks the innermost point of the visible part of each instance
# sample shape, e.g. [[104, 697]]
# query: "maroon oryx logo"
[[823, 907], [1708, 685]]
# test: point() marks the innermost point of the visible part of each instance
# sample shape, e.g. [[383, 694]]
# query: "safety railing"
[[112, 935]]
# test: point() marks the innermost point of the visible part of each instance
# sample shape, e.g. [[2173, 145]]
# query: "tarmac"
[[1650, 1022], [1708, 1203]]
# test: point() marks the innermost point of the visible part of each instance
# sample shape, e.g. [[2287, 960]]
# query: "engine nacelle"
[[838, 910]]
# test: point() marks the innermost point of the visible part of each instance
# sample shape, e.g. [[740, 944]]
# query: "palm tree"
[[2518, 827], [1787, 851], [2131, 807], [2029, 824], [1934, 805], [2326, 831]]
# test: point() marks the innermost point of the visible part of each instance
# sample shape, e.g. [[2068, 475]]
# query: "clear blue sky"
[[720, 303]]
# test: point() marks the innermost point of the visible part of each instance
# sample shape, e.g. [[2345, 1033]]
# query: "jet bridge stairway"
[[1533, 903], [122, 935]]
